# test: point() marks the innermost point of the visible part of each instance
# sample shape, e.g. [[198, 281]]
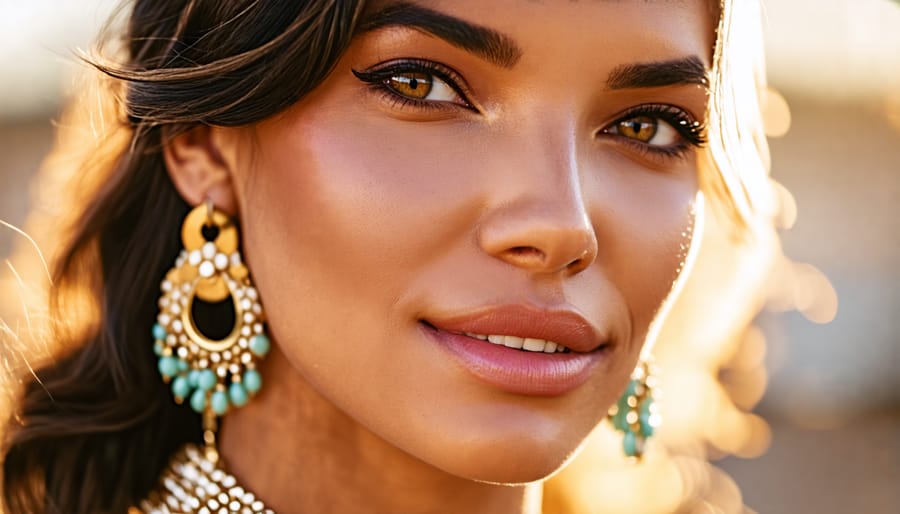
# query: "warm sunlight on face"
[[468, 168]]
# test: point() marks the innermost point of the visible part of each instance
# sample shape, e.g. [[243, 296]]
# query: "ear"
[[199, 164]]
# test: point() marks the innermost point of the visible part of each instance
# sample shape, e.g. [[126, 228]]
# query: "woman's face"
[[523, 169]]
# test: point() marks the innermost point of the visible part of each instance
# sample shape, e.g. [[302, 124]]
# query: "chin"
[[507, 462], [523, 471]]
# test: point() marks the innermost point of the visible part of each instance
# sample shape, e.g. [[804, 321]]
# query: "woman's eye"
[[657, 129], [422, 86], [417, 83], [646, 129]]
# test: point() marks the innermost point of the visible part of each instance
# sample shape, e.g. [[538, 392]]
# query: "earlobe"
[[197, 164]]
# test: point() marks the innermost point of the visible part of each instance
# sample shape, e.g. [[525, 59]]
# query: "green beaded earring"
[[214, 375], [635, 414]]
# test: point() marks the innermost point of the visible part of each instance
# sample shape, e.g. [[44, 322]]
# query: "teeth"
[[529, 344], [534, 345], [513, 341]]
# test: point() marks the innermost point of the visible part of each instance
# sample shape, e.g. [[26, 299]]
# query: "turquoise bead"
[[206, 379], [168, 366], [180, 387], [198, 400], [238, 395], [260, 345], [623, 402], [630, 390], [646, 427], [159, 332], [158, 348], [194, 378], [252, 381], [219, 402], [629, 443], [182, 366], [645, 405], [620, 420]]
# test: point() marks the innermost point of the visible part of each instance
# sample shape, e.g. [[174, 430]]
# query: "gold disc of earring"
[[210, 254]]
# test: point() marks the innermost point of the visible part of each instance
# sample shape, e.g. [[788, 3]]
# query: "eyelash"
[[691, 132], [377, 79]]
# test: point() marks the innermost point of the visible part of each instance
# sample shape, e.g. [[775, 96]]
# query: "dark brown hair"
[[92, 430]]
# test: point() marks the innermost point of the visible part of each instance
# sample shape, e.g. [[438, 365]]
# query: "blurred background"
[[833, 388], [833, 397]]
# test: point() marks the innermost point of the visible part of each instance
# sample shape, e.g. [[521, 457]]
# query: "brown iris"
[[411, 84], [642, 128]]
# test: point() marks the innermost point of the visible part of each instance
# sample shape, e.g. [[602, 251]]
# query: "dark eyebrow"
[[689, 70], [487, 43]]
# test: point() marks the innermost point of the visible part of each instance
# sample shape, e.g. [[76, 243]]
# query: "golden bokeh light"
[[803, 287], [891, 106], [776, 113], [786, 215]]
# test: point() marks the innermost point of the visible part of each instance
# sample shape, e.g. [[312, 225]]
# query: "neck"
[[300, 454]]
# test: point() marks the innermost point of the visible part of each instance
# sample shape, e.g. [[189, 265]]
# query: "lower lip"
[[519, 371]]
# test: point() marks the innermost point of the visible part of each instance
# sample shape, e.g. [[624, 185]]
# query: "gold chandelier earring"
[[209, 288]]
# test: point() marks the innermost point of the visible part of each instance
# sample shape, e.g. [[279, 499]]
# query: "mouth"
[[525, 327], [522, 349], [526, 344]]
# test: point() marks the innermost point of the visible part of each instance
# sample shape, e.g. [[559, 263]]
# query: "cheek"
[[337, 226], [644, 221]]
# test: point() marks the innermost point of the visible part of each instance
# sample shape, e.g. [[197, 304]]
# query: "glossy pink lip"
[[519, 371]]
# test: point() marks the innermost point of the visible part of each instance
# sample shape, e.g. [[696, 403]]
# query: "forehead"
[[626, 30]]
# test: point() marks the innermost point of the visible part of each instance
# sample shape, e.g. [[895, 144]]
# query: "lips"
[[522, 349], [562, 327]]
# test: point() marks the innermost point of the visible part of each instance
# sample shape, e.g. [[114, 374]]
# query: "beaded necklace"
[[195, 484]]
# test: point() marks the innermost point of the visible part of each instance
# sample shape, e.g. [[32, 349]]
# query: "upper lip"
[[562, 326]]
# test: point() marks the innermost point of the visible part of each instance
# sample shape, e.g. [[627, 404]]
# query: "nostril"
[[528, 252], [579, 263]]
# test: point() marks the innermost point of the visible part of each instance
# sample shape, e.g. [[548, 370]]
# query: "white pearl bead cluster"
[[208, 259], [192, 484]]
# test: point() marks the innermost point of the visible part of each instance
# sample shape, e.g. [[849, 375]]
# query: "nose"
[[540, 221]]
